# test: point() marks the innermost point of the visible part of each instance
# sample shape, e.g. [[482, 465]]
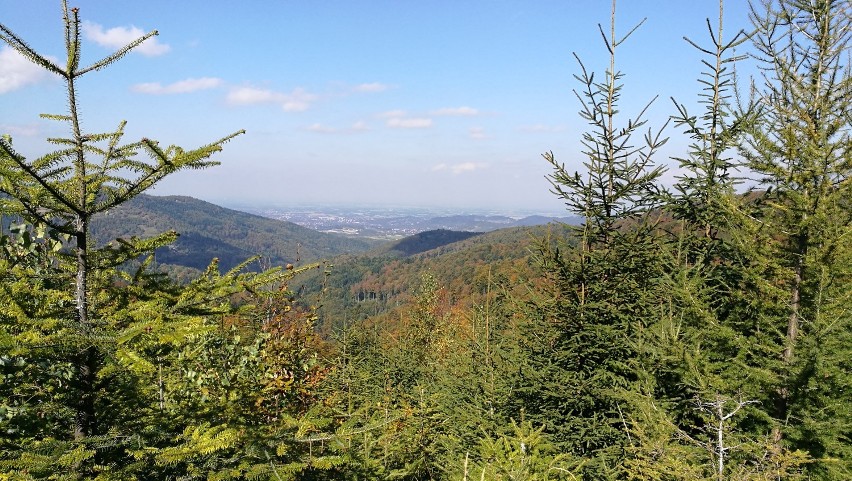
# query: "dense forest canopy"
[[701, 330]]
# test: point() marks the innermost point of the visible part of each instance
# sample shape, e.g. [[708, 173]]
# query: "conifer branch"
[[18, 44], [20, 161], [117, 55], [72, 39]]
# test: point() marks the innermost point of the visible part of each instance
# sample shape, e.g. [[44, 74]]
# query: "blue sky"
[[396, 103]]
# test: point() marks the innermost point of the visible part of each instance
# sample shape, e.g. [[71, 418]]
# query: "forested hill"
[[464, 264], [207, 231], [424, 241]]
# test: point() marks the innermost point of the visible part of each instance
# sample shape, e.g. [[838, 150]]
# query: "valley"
[[374, 259], [387, 223], [695, 322]]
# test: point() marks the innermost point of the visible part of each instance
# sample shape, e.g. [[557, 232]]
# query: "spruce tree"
[[800, 152], [582, 331], [753, 279], [100, 354], [697, 351], [386, 396], [65, 188]]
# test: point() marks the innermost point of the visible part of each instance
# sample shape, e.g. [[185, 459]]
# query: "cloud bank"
[[16, 71], [182, 87], [298, 100], [477, 133], [371, 87], [118, 37], [409, 123], [460, 168], [399, 119], [457, 112]]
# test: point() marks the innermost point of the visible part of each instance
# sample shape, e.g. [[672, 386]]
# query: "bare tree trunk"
[[86, 359], [795, 303], [793, 328]]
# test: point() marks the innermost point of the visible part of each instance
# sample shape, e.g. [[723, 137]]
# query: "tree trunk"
[[86, 360]]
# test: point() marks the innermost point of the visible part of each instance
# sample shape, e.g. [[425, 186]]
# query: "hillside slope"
[[367, 284], [209, 231], [423, 242]]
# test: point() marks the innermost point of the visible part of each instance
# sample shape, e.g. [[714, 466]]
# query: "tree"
[[739, 302], [800, 152], [64, 189], [698, 348], [522, 454], [582, 331], [387, 393], [91, 372]]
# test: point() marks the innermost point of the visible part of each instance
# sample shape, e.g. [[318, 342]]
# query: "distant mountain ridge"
[[394, 224], [425, 241], [208, 230], [488, 223]]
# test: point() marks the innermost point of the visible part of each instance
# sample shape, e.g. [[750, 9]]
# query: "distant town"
[[390, 223]]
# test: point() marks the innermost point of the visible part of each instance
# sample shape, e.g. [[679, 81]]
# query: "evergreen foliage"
[[581, 333], [127, 375], [701, 332], [801, 153]]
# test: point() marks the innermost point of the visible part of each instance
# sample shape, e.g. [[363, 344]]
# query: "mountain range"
[[365, 275], [208, 230]]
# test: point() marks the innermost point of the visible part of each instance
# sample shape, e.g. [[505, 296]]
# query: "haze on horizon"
[[418, 104]]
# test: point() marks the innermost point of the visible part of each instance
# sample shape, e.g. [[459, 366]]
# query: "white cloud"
[[17, 71], [457, 112], [541, 128], [181, 87], [322, 129], [466, 167], [412, 123], [118, 37], [19, 130], [251, 95], [360, 126], [392, 114], [477, 133], [298, 100], [461, 168], [371, 87], [399, 119]]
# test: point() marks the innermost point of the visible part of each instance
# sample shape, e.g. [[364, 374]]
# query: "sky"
[[422, 103]]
